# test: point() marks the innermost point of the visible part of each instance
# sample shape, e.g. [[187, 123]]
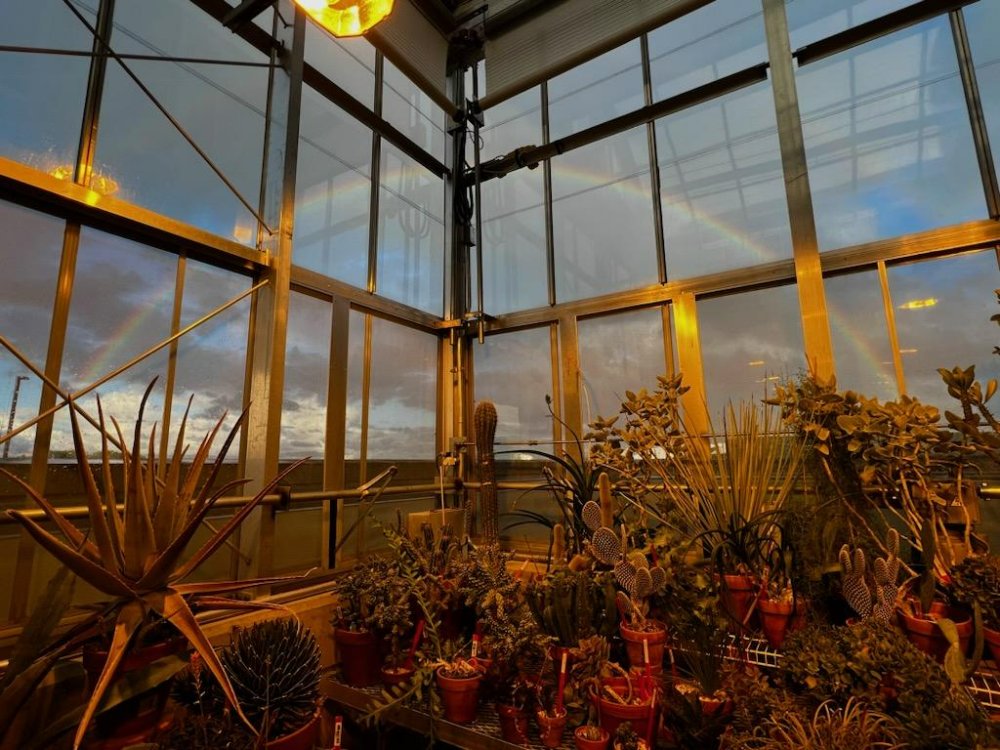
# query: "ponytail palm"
[[137, 556]]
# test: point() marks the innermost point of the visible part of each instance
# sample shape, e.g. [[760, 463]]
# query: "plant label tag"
[[645, 650], [475, 646], [338, 729]]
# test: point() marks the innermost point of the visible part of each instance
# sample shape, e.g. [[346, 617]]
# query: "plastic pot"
[[550, 728], [656, 640], [459, 697], [924, 633], [775, 617], [513, 724], [137, 719], [612, 714], [359, 657], [303, 738], [582, 743]]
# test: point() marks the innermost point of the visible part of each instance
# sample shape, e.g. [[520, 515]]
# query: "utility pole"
[[13, 410]]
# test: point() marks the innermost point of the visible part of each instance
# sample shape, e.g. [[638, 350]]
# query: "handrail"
[[278, 501]]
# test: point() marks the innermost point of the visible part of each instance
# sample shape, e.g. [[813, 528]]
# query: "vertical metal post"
[[550, 252], [805, 247], [694, 402], [270, 326], [376, 178], [654, 166], [668, 339], [13, 411], [890, 324], [980, 135], [168, 391], [25, 567], [334, 466], [569, 360]]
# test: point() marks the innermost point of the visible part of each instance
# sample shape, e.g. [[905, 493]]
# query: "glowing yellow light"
[[346, 17], [919, 304], [756, 363], [908, 351], [100, 183]]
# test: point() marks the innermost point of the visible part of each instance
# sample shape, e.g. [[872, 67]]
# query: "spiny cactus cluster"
[[875, 598], [564, 606], [637, 579], [484, 420]]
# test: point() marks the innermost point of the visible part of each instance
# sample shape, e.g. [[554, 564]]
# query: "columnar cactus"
[[484, 420]]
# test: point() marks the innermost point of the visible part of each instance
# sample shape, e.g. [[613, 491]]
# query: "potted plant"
[[625, 698], [138, 558], [591, 737], [976, 582], [274, 669], [515, 696], [776, 607], [458, 680], [626, 738], [358, 645]]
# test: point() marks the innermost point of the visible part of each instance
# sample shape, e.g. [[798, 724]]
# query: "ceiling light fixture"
[[346, 17], [919, 304]]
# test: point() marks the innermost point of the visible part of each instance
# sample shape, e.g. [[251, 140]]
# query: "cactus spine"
[[484, 419]]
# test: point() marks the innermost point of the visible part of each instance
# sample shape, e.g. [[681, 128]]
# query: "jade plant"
[[137, 558]]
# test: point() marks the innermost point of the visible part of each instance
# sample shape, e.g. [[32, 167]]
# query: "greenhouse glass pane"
[[982, 20]]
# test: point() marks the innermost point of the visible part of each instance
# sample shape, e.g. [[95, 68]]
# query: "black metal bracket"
[[245, 12]]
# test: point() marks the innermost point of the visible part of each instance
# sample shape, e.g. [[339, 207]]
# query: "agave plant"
[[136, 557]]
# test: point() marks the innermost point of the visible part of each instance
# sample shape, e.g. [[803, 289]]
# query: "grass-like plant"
[[137, 557]]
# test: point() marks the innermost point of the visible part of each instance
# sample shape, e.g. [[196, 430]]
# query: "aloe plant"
[[136, 557]]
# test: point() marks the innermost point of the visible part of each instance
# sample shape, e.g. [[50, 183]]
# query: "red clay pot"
[[459, 697], [396, 675], [712, 706], [611, 714], [359, 657], [925, 634], [303, 738], [582, 743], [737, 595], [775, 617], [550, 728], [513, 724], [992, 638], [656, 639], [137, 719]]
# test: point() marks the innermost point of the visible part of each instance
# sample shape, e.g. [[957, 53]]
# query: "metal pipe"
[[128, 56]]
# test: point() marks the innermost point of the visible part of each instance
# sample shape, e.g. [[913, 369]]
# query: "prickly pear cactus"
[[873, 597], [484, 420]]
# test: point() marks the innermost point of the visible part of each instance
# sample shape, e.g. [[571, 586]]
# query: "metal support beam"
[[270, 326], [550, 253], [245, 12], [334, 467], [890, 325], [694, 402], [376, 181], [569, 369], [654, 166], [805, 247]]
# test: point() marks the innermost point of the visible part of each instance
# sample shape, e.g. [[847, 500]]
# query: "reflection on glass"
[[981, 22], [332, 192], [221, 106], [714, 41], [511, 124], [602, 214], [42, 96], [515, 275], [402, 408], [618, 353], [211, 359], [955, 330], [861, 351], [887, 138], [31, 244], [749, 341], [350, 63], [407, 107], [303, 406], [410, 233], [514, 371], [596, 91], [809, 21], [722, 186]]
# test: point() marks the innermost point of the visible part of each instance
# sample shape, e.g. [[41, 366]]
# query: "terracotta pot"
[[396, 675], [925, 634], [550, 728], [459, 697], [582, 743], [359, 657], [513, 724], [775, 616], [992, 638], [656, 644], [611, 713], [303, 738], [137, 719], [737, 596], [714, 707]]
